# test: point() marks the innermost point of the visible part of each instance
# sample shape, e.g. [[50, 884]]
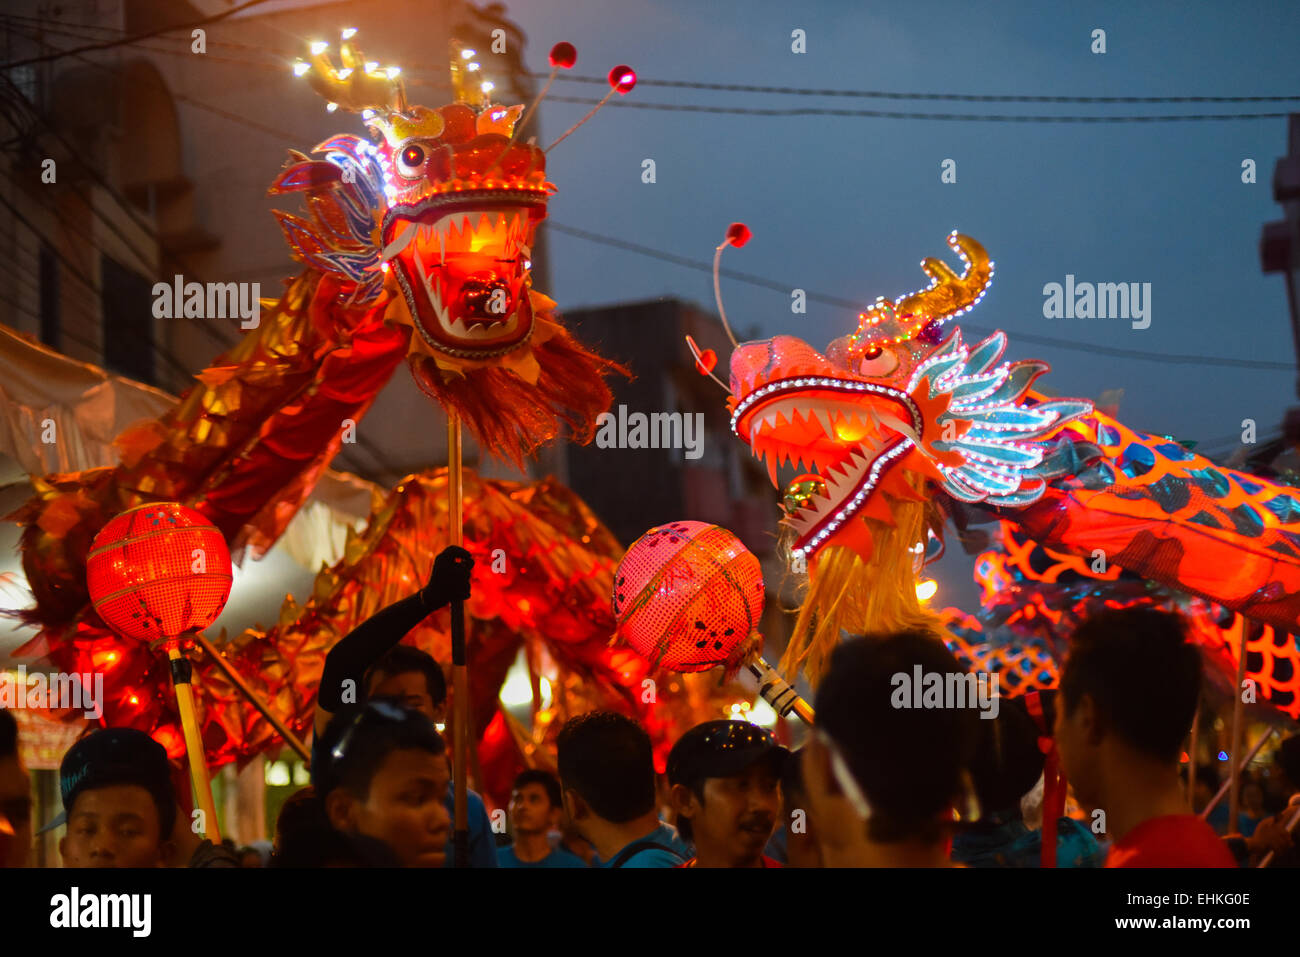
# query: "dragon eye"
[[410, 160], [877, 361]]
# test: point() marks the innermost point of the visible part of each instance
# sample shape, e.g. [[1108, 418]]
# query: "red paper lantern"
[[157, 571], [686, 594]]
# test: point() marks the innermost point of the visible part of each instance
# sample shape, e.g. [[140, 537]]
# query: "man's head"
[[878, 772], [1288, 762], [386, 777], [1128, 693], [118, 800], [301, 811], [412, 676], [607, 771], [726, 789], [1007, 762], [536, 805], [15, 798], [1206, 783], [801, 847]]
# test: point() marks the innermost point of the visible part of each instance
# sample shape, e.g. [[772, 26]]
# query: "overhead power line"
[[954, 97], [793, 91], [125, 41], [767, 283]]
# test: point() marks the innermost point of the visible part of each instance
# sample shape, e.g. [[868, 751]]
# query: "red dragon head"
[[894, 399], [442, 205]]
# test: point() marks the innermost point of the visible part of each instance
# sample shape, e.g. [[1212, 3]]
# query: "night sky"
[[846, 207]]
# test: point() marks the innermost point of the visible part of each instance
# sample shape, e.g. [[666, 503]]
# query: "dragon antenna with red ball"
[[621, 80], [737, 235]]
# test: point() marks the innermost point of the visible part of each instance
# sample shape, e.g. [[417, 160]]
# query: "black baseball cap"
[[117, 756], [719, 749]]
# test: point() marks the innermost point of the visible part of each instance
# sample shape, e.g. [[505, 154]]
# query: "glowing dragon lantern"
[[434, 218], [896, 407]]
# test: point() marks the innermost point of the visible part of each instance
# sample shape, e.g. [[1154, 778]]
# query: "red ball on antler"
[[622, 78], [563, 56], [738, 234]]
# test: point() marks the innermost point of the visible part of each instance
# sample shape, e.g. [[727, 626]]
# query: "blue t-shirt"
[[559, 857], [1011, 844], [482, 845], [664, 834]]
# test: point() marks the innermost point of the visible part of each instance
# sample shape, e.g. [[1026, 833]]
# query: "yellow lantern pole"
[[182, 671]]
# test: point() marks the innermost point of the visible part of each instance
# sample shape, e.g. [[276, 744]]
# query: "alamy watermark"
[[953, 689], [215, 300], [58, 691], [1103, 300], [658, 430]]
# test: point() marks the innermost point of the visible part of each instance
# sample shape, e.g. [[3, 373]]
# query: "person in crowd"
[[118, 801], [305, 839], [386, 778], [1252, 804], [1128, 691], [726, 790], [607, 781], [249, 857], [882, 781], [536, 809], [301, 811], [370, 662], [1270, 833], [15, 798], [1007, 765], [793, 843]]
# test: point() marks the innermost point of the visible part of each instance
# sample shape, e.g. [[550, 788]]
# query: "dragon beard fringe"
[[570, 388], [846, 595]]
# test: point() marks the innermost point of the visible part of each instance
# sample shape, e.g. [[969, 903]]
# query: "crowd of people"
[[876, 784]]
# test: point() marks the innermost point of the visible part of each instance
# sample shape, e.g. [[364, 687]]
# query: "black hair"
[[1288, 759], [1207, 775], [1143, 676], [608, 760], [366, 737], [317, 847], [302, 810], [549, 782], [8, 735], [1007, 761], [113, 775], [402, 659], [907, 761], [792, 785]]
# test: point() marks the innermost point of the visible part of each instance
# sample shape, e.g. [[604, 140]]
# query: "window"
[[127, 302]]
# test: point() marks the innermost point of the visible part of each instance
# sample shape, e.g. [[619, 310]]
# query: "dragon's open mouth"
[[464, 273], [846, 429]]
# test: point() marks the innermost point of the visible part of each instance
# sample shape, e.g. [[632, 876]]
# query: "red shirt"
[[767, 862], [1175, 840]]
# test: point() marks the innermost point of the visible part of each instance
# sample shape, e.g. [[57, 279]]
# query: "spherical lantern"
[[157, 571], [686, 594]]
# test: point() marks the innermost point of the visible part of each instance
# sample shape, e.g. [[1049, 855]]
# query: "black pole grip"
[[182, 670]]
